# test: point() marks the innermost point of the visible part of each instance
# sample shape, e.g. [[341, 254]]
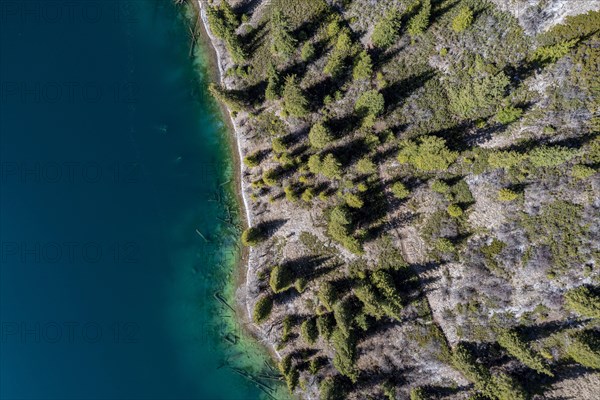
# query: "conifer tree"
[[282, 41], [295, 102], [463, 20], [319, 136], [387, 30], [331, 167], [272, 90], [363, 69], [420, 22]]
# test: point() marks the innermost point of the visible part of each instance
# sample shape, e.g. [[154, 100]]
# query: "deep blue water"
[[111, 157]]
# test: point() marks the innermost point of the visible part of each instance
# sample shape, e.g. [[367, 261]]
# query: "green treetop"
[[420, 22], [429, 154], [282, 41], [319, 136], [463, 20], [295, 102], [363, 69], [584, 301], [331, 167], [387, 30], [370, 102]]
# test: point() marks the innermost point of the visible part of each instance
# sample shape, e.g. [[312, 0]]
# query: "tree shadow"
[[268, 228], [254, 39], [395, 93]]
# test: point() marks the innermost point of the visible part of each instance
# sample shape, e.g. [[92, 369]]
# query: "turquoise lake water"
[[113, 158]]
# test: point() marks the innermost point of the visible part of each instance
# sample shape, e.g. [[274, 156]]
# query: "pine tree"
[[370, 102], [319, 136], [229, 98], [272, 90], [363, 69], [262, 309], [331, 167], [514, 344], [420, 22], [387, 31], [282, 41], [463, 20], [295, 102]]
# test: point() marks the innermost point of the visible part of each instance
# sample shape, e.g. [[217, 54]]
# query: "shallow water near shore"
[[118, 221]]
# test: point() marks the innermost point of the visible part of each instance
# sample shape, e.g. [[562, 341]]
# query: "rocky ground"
[[463, 293]]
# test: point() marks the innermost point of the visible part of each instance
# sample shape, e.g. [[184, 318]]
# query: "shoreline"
[[243, 270]]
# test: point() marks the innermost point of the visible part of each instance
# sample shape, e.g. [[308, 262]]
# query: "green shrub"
[[353, 200], [300, 284], [584, 348], [363, 69], [582, 171], [327, 295], [505, 159], [454, 210], [583, 300], [592, 153], [512, 342], [307, 52], [262, 309], [309, 330], [326, 325], [420, 22], [547, 156], [331, 388], [281, 279], [387, 30], [429, 154], [558, 226], [462, 20], [290, 193], [314, 164], [440, 186], [508, 114], [331, 167], [507, 195], [418, 393], [370, 102], [576, 26], [400, 191], [292, 379], [286, 328], [308, 195], [252, 237], [444, 245], [365, 166], [461, 193], [505, 387], [319, 136], [314, 365], [252, 160], [477, 94], [553, 53], [269, 177]]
